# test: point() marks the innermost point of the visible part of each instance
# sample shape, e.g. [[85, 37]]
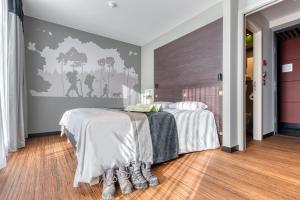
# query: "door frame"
[[241, 120], [257, 78], [275, 79]]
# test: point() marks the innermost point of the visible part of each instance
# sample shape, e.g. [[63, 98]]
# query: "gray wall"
[[68, 68]]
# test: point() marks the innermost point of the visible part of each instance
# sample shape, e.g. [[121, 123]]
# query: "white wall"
[[285, 19], [206, 17], [268, 100], [230, 70], [252, 4]]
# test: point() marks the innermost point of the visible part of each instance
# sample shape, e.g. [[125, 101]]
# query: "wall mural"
[[81, 69], [67, 68]]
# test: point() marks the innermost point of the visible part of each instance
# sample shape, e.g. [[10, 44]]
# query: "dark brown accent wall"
[[289, 82], [187, 68]]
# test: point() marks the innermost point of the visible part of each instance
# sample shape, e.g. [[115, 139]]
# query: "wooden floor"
[[267, 170]]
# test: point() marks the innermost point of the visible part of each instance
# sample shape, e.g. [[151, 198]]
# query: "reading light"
[[220, 92], [112, 4]]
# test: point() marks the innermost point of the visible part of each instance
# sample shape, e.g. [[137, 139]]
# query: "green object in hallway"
[[249, 39]]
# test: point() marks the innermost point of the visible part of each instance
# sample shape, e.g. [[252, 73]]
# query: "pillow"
[[190, 105], [173, 106], [163, 104]]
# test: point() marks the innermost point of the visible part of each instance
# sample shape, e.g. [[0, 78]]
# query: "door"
[[289, 83]]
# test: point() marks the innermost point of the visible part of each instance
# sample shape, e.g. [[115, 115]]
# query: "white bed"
[[106, 139], [197, 130]]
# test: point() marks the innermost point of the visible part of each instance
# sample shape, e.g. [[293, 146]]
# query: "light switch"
[[287, 68]]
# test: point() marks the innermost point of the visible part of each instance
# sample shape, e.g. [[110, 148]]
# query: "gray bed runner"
[[164, 136]]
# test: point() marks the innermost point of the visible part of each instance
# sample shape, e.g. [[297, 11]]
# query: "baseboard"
[[268, 135], [289, 132], [289, 126], [33, 135], [229, 149]]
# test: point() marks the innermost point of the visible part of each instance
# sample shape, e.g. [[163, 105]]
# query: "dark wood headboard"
[[189, 67]]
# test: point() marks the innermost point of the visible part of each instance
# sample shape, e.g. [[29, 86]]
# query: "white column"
[[230, 34]]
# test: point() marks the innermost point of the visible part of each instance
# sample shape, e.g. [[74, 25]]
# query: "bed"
[[106, 139], [196, 129]]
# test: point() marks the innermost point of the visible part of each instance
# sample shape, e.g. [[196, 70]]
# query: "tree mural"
[[101, 63], [78, 60], [72, 78], [62, 59], [74, 68], [110, 62], [89, 80], [106, 66], [127, 72], [36, 65]]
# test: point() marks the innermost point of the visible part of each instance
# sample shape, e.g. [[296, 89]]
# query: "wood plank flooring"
[[267, 170]]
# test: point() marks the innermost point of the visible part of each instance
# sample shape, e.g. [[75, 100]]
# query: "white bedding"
[[196, 129], [106, 139]]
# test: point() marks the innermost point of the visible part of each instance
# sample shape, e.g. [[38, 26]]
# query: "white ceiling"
[[134, 21], [280, 10]]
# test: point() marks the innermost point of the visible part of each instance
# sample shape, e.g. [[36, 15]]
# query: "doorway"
[[249, 85], [270, 16], [253, 81]]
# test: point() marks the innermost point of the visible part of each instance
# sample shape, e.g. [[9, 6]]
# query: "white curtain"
[[12, 79], [3, 60]]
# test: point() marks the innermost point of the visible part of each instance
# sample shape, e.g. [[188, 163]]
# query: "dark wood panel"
[[187, 68], [287, 91], [290, 112], [289, 82], [289, 49]]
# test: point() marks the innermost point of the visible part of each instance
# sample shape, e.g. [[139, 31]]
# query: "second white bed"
[[197, 130]]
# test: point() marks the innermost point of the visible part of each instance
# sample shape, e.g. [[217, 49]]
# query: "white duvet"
[[106, 139], [196, 129]]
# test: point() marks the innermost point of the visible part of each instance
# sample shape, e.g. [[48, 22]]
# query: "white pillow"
[[173, 106], [163, 104], [190, 105]]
